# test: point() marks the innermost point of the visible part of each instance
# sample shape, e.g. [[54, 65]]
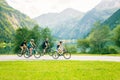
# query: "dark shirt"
[[58, 46], [45, 44], [23, 43]]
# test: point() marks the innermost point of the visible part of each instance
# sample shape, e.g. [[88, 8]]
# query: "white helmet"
[[32, 40]]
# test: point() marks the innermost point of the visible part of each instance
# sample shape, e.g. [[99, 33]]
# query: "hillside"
[[71, 23], [114, 20], [100, 13], [10, 20], [52, 19], [60, 23]]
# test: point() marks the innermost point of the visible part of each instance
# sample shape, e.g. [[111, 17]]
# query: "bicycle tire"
[[55, 55], [67, 55], [27, 54], [37, 54], [19, 53], [51, 52]]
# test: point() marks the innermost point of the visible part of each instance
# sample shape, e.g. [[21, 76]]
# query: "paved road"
[[47, 57]]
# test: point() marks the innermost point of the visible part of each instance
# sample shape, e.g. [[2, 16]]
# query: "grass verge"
[[59, 70]]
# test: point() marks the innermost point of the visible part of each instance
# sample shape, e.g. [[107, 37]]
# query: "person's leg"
[[31, 51], [60, 51], [21, 49], [44, 50], [24, 48]]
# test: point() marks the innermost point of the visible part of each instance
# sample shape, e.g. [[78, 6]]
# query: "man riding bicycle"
[[45, 45]]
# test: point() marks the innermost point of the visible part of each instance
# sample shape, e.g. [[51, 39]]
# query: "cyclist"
[[23, 46], [60, 47], [31, 46], [45, 45]]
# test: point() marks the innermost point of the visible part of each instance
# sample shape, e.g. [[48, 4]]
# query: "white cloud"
[[35, 8]]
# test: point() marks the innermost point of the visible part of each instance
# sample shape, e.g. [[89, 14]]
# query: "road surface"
[[73, 57]]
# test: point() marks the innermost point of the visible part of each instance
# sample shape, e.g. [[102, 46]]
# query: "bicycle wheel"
[[42, 54], [55, 55], [51, 52], [37, 54], [19, 53], [67, 55], [27, 54]]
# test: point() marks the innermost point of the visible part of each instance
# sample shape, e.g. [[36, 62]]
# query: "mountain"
[[51, 19], [100, 13], [108, 4], [11, 19], [60, 23], [113, 20]]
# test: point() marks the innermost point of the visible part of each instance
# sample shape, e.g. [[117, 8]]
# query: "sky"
[[34, 8]]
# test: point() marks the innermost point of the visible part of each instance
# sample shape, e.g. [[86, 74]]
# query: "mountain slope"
[[60, 23], [11, 19], [114, 20], [100, 13], [52, 19]]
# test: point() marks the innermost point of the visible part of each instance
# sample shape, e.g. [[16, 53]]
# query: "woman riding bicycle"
[[31, 46], [60, 47], [23, 46]]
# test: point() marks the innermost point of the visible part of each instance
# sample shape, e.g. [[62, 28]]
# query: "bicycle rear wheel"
[[51, 52], [19, 53], [27, 54], [67, 55], [55, 55], [37, 54]]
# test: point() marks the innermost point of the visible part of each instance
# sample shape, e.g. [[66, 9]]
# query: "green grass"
[[59, 70], [88, 54]]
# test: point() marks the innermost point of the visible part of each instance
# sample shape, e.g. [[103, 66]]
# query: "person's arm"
[[34, 44]]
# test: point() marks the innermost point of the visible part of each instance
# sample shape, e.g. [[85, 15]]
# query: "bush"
[[71, 48], [113, 49]]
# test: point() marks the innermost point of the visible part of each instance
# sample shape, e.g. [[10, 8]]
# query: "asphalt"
[[73, 57]]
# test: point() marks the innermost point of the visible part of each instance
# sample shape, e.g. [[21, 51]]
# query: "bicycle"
[[48, 51], [20, 52], [65, 54], [35, 52]]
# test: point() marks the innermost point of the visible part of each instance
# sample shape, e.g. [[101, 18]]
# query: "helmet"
[[32, 40]]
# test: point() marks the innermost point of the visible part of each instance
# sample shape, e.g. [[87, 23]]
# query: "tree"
[[83, 44], [36, 33], [20, 35], [98, 38], [115, 38], [46, 33], [116, 35]]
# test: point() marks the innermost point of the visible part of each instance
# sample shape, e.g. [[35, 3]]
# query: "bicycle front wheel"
[[27, 54], [67, 55]]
